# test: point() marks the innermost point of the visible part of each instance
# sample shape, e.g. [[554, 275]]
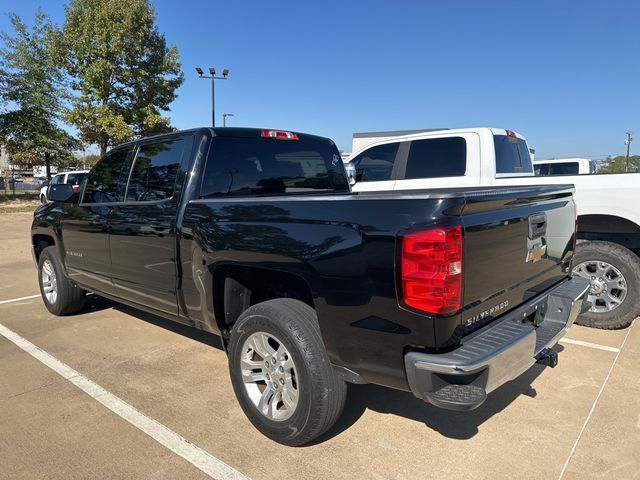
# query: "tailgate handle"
[[537, 225]]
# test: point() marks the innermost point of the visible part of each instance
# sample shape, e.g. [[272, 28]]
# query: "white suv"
[[74, 178]]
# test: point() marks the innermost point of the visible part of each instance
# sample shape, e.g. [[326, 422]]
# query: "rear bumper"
[[501, 351]]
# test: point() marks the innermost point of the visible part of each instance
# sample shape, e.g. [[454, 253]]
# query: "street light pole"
[[213, 78], [224, 118], [213, 102], [627, 142]]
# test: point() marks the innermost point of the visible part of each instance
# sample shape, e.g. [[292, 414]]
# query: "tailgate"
[[517, 243]]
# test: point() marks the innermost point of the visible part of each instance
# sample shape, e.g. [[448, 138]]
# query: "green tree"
[[32, 96], [124, 73], [619, 164]]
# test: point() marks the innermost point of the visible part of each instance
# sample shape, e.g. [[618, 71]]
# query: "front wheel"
[[613, 272], [281, 373], [59, 294], [43, 199]]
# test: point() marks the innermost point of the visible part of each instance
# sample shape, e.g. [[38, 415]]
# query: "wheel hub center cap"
[[598, 285]]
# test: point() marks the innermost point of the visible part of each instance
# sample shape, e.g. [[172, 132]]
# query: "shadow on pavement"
[[97, 304], [455, 425]]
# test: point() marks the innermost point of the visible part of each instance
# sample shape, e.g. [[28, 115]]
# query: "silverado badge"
[[535, 253]]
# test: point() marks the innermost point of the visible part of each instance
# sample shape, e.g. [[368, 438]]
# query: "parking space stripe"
[[593, 407], [19, 299], [201, 459], [589, 345]]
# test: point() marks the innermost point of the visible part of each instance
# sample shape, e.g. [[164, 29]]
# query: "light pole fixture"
[[224, 118], [213, 78]]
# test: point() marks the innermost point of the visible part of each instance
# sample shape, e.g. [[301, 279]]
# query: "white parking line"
[[19, 299], [198, 457], [593, 407], [589, 345]]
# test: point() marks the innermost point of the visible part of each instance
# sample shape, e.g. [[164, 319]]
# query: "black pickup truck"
[[255, 236]]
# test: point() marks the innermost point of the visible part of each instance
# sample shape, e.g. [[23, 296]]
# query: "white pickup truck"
[[608, 205], [564, 166]]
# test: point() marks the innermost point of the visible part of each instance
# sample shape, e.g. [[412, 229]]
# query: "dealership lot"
[[579, 420]]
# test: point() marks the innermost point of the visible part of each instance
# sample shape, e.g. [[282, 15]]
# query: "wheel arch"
[[238, 287], [41, 241], [609, 228]]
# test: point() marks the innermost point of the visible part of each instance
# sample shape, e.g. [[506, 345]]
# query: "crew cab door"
[[143, 227], [86, 226]]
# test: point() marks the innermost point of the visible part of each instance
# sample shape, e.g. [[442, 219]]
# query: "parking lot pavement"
[[580, 419]]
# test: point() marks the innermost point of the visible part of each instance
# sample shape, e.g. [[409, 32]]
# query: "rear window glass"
[[512, 155], [75, 178], [257, 166], [376, 163], [437, 157]]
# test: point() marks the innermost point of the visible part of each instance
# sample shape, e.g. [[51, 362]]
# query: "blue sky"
[[566, 74]]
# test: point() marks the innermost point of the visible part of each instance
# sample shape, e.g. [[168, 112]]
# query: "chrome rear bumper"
[[501, 351]]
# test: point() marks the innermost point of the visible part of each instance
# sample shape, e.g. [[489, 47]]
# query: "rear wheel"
[[281, 373], [613, 272], [43, 199], [59, 294]]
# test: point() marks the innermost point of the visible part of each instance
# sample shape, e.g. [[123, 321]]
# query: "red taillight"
[[75, 188], [279, 134], [510, 133], [431, 270]]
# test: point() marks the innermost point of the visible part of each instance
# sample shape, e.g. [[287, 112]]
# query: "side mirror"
[[62, 193], [350, 170]]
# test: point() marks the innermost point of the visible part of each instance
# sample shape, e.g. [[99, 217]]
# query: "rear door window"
[[257, 166], [376, 163], [565, 168], [437, 157], [154, 172], [512, 155]]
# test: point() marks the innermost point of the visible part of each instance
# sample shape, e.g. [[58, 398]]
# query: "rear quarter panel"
[[342, 246]]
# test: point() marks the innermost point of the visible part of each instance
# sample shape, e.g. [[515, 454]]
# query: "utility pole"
[[627, 142], [213, 78]]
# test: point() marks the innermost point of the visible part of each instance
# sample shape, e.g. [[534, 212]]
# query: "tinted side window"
[[376, 163], [567, 168], [437, 157], [107, 181], [154, 172], [512, 155], [57, 179], [250, 166]]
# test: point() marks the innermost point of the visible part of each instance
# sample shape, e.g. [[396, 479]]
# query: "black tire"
[[628, 264], [43, 199], [70, 298], [322, 392]]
